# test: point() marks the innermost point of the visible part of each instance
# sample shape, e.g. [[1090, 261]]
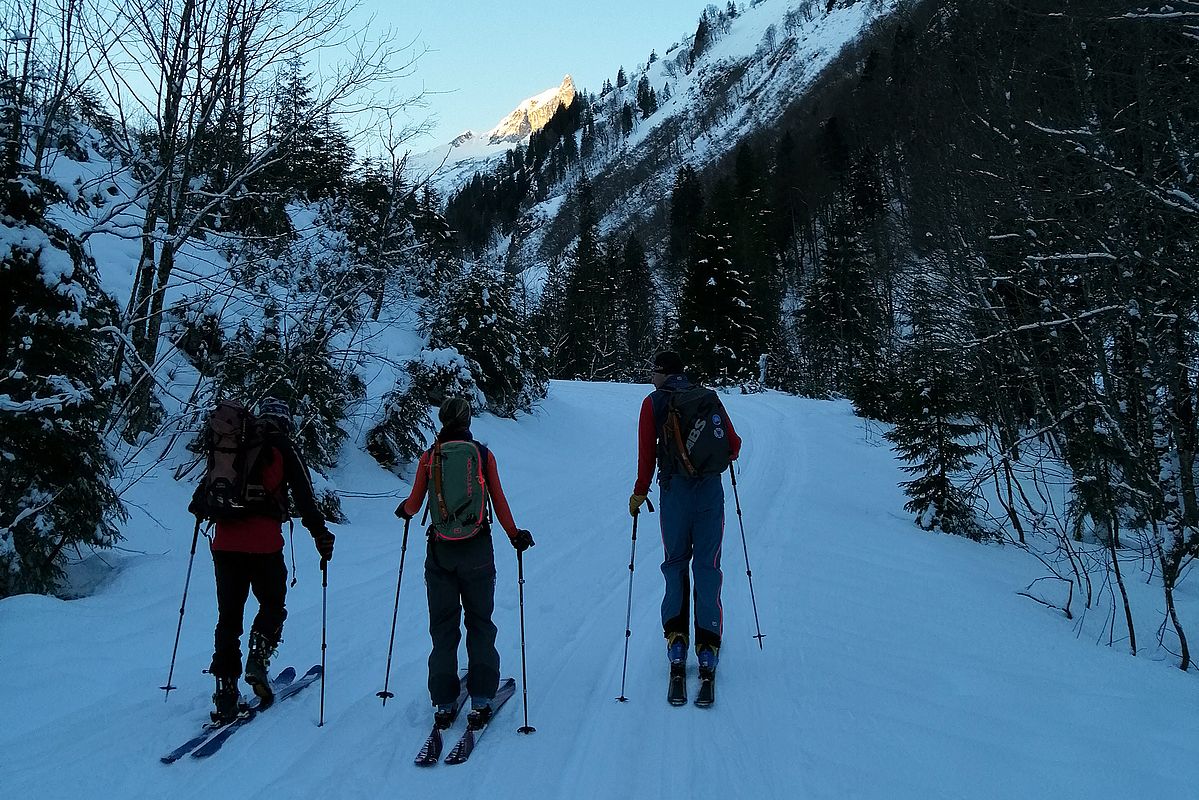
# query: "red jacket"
[[283, 472], [257, 534], [499, 503]]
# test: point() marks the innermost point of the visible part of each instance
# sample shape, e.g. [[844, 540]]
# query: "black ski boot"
[[444, 716], [478, 718], [707, 675], [676, 652], [258, 664], [227, 700]]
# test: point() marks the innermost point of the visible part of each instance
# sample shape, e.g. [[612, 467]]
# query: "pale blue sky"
[[488, 56]]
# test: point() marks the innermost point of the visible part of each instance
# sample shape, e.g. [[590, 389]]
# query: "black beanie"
[[668, 362], [455, 413]]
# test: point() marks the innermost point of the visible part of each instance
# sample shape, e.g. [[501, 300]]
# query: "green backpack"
[[458, 503]]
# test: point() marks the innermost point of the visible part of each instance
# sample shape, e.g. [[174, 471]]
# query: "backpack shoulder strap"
[[484, 458], [673, 429], [437, 481]]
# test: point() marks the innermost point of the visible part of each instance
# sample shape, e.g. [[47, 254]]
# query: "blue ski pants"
[[692, 534]]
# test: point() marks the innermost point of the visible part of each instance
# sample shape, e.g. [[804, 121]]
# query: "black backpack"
[[694, 432], [231, 486]]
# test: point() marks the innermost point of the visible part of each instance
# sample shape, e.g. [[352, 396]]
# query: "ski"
[[430, 753], [707, 688], [471, 736], [676, 693], [215, 741], [210, 728]]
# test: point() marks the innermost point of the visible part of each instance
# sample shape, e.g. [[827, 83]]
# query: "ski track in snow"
[[896, 663]]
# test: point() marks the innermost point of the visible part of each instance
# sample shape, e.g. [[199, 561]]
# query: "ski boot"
[[676, 651], [227, 700], [258, 664], [708, 656], [676, 648], [479, 716], [444, 716]]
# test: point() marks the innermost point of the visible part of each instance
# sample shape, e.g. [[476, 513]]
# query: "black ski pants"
[[236, 575], [460, 577]]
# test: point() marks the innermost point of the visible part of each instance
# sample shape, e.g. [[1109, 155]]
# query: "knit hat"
[[455, 413], [668, 362], [274, 411]]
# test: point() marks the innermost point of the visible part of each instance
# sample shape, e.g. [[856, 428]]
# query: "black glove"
[[196, 506], [401, 513], [522, 541], [323, 538]]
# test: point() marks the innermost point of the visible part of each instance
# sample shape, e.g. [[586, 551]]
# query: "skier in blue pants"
[[692, 518]]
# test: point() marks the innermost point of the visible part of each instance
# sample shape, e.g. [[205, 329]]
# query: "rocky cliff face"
[[533, 114]]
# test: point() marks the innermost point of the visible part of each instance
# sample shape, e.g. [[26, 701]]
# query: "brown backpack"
[[231, 486]]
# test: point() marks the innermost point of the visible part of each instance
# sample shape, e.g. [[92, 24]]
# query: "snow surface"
[[897, 664]]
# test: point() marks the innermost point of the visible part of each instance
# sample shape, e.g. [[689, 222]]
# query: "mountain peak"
[[533, 114]]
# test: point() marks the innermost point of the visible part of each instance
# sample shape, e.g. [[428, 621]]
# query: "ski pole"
[[745, 549], [182, 605], [628, 615], [324, 617], [386, 695], [524, 681]]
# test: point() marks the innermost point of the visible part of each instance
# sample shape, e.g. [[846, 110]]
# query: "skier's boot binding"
[[478, 717], [444, 716], [258, 664], [227, 700]]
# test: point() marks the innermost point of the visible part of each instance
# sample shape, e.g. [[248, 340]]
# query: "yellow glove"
[[635, 501]]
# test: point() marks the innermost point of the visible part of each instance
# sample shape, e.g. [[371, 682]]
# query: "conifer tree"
[[701, 40], [54, 401], [647, 102], [587, 137], [715, 326], [841, 318], [638, 305], [753, 255], [934, 435], [686, 219], [593, 331], [478, 320], [621, 80], [398, 438], [312, 154]]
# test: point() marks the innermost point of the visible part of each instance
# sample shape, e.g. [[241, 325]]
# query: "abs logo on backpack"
[[458, 504], [698, 447]]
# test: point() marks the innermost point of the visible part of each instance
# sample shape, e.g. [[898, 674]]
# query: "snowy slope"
[[769, 57], [897, 664]]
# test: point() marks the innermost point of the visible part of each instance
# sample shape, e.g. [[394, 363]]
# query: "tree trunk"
[[1113, 535]]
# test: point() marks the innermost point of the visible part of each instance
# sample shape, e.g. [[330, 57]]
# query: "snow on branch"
[[1053, 323]]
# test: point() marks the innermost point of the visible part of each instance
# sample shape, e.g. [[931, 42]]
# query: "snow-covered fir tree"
[[476, 317], [56, 339]]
